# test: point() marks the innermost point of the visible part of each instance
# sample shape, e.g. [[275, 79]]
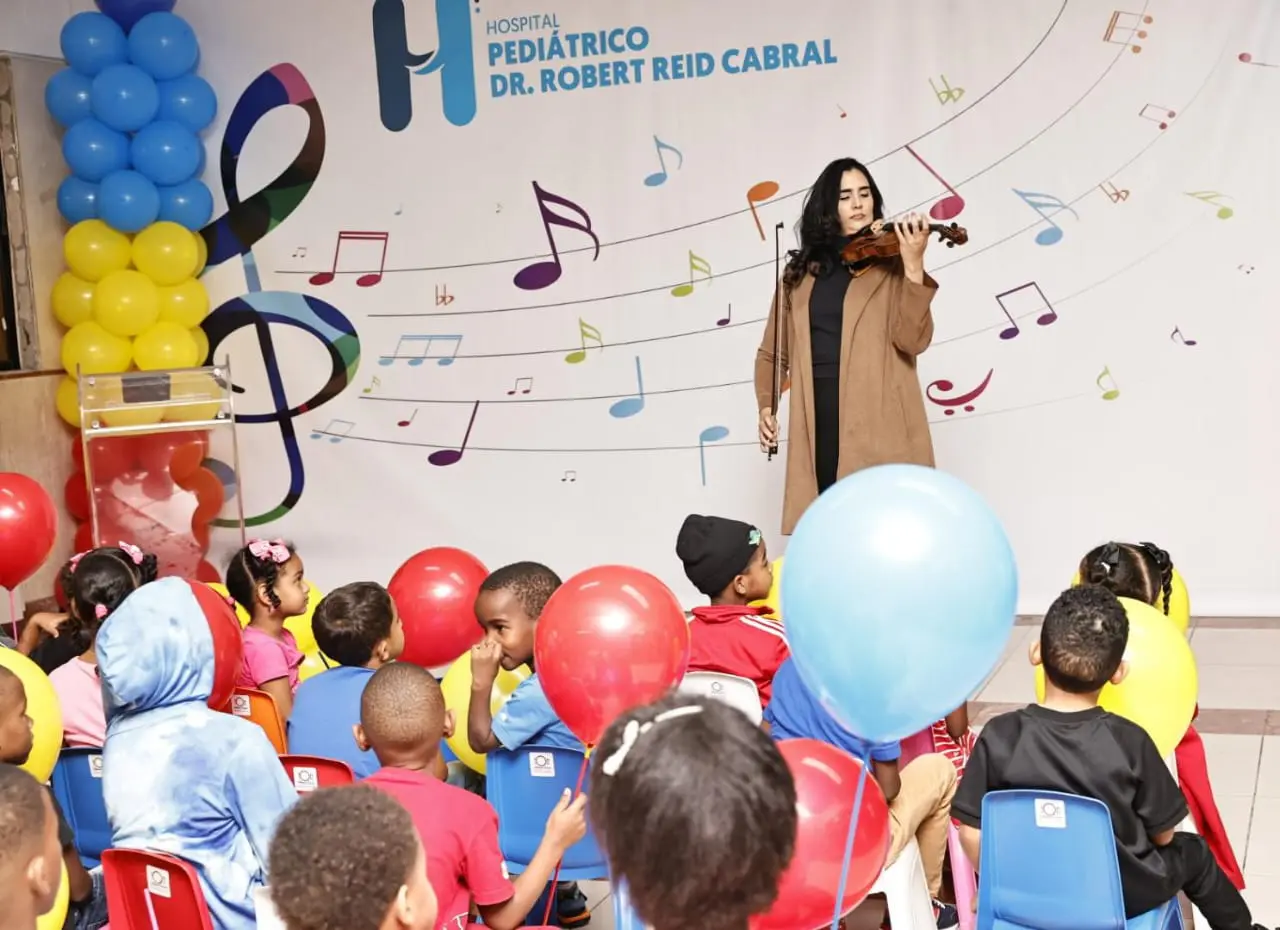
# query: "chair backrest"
[[152, 891], [524, 787], [260, 708], [310, 773], [1048, 861], [735, 691], [624, 915], [77, 784]]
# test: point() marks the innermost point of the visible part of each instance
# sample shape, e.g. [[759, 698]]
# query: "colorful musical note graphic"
[[1128, 29], [964, 400], [585, 331], [1041, 203], [365, 280], [408, 346], [660, 177], [335, 430], [442, 457], [299, 252], [843, 114], [727, 318], [759, 193], [523, 385], [697, 265], [1115, 193], [1112, 392], [376, 382], [409, 421], [543, 274], [1176, 336], [1211, 197], [948, 94], [1247, 59], [570, 476], [630, 406], [1160, 116], [1048, 314], [945, 208], [710, 434], [443, 297]]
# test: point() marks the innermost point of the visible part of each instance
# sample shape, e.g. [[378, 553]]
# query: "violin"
[[878, 241]]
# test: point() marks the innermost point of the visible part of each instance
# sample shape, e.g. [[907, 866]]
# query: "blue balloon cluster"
[[133, 109]]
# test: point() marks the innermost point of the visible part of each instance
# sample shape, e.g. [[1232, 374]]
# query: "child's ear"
[[1122, 672], [357, 730], [1034, 653], [260, 592], [450, 723], [43, 876]]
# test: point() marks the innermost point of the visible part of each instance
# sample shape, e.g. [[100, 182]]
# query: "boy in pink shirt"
[[403, 719]]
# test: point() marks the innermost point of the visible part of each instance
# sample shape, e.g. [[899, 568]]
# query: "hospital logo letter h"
[[453, 59]]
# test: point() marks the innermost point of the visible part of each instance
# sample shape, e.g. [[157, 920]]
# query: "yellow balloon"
[[456, 686], [93, 250], [202, 387], [95, 350], [72, 299], [185, 303], [44, 711], [313, 663], [126, 302], [1159, 692], [774, 599], [164, 345], [166, 253], [56, 916], [202, 255], [202, 345], [299, 626], [1179, 601], [67, 400]]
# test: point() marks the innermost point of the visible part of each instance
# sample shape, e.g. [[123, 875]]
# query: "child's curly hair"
[[97, 582], [258, 563]]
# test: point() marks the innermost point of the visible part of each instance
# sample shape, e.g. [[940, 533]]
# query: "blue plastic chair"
[[524, 787], [1048, 862], [77, 784], [624, 915]]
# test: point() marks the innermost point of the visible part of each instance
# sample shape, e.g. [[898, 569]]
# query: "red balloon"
[[207, 573], [228, 646], [177, 454], [112, 457], [83, 541], [826, 784], [435, 593], [28, 527], [610, 638], [76, 495], [210, 494]]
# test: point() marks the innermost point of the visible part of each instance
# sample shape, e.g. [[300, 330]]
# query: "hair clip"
[[633, 731], [270, 551], [755, 537], [131, 551], [75, 559], [100, 611]]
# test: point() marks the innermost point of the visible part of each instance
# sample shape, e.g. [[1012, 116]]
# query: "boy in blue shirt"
[[358, 627], [919, 795], [508, 606]]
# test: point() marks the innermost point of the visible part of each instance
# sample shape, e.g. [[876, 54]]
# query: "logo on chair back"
[[453, 59], [542, 765], [95, 766], [304, 778], [158, 882], [240, 705], [1051, 814]]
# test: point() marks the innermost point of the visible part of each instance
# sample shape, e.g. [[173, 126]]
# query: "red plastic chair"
[[310, 773], [152, 891], [260, 708]]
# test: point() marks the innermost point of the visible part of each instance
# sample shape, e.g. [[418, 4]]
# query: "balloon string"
[[848, 843], [555, 879], [13, 615]]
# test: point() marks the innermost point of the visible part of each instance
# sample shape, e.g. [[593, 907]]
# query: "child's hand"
[[486, 657], [48, 623], [568, 822]]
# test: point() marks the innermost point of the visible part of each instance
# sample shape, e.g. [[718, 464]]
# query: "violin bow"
[[778, 323]]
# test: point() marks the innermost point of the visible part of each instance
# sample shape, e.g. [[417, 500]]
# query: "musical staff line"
[[499, 401]]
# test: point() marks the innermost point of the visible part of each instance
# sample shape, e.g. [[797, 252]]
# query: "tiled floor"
[[1239, 668]]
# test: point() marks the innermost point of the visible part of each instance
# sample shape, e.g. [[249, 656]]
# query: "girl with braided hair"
[[1144, 572]]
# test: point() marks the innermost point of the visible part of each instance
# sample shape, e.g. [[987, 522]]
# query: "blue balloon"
[[899, 593], [67, 95], [188, 100], [93, 150], [128, 201], [164, 45], [128, 12], [166, 152], [188, 204], [92, 41], [77, 199], [125, 98]]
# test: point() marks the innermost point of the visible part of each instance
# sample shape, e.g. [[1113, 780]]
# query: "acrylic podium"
[[162, 464]]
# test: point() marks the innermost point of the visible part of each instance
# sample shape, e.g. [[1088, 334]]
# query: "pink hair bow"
[[100, 611], [131, 551], [274, 550], [75, 559]]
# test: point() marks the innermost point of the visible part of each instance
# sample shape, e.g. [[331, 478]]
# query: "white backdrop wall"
[[1105, 421]]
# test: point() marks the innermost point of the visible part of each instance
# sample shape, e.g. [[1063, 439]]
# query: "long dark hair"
[[1143, 572], [818, 228]]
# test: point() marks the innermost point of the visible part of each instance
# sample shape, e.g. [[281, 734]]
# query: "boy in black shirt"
[[1070, 744]]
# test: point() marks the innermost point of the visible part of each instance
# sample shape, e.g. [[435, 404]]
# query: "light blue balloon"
[[125, 98], [164, 45], [91, 41], [188, 204], [77, 199], [189, 101], [127, 201], [166, 152], [93, 150], [67, 96], [899, 592]]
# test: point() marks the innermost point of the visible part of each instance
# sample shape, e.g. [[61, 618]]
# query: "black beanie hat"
[[715, 550]]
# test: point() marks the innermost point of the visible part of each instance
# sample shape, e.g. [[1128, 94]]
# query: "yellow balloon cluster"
[[130, 305], [456, 686]]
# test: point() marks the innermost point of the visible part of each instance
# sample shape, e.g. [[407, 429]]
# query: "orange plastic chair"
[[260, 708], [149, 889], [310, 773]]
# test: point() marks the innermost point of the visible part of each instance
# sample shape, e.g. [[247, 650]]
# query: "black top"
[[826, 316], [1093, 754], [54, 653]]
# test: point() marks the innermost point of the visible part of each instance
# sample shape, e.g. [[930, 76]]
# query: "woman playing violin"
[[851, 334]]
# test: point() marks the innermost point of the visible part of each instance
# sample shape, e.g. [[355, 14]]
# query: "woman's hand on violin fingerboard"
[[912, 231], [768, 430]]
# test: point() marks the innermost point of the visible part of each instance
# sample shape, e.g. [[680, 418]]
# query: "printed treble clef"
[[246, 223], [966, 399]]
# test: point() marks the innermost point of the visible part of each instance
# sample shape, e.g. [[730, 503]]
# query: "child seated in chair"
[[402, 720], [30, 853], [695, 810], [726, 560], [178, 776], [357, 626], [1070, 744]]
